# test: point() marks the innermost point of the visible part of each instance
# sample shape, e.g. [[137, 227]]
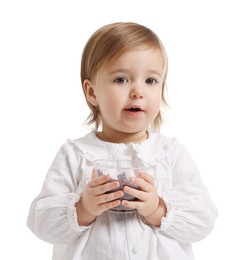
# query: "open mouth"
[[134, 109]]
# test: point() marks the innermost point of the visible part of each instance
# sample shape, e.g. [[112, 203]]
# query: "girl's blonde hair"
[[106, 45]]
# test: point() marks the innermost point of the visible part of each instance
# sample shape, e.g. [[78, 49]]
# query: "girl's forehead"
[[136, 53], [141, 49]]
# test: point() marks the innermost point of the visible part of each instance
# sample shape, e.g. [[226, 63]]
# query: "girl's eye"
[[151, 81], [120, 80]]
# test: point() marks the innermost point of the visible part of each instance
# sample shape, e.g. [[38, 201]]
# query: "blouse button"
[[134, 251], [166, 147]]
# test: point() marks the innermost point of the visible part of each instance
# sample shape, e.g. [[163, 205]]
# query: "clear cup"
[[122, 171]]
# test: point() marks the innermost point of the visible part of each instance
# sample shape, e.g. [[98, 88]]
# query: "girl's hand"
[[97, 198], [149, 200]]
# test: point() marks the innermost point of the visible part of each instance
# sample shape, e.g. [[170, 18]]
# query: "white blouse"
[[190, 212]]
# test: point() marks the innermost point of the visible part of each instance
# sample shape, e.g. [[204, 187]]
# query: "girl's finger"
[[131, 204], [109, 197], [107, 187], [147, 177], [94, 174], [141, 183], [139, 194], [96, 181]]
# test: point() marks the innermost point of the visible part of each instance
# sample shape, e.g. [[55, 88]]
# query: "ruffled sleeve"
[[52, 216], [191, 213]]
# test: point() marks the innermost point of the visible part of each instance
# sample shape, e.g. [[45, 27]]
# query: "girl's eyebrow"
[[116, 71], [156, 72]]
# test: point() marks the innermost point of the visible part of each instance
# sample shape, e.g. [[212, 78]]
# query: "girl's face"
[[128, 92]]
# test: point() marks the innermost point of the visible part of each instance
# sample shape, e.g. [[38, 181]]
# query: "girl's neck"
[[120, 137]]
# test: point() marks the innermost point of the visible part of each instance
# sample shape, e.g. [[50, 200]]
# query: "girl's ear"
[[88, 88]]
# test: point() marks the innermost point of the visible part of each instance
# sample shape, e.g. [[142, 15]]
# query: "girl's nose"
[[136, 93]]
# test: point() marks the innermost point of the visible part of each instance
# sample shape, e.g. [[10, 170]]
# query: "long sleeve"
[[52, 216], [190, 212]]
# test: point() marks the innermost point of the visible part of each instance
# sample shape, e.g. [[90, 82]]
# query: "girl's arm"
[[190, 213], [52, 216]]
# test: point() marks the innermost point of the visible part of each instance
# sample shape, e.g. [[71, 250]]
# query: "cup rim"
[[141, 167]]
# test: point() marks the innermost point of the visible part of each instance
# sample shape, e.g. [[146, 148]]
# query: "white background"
[[41, 102]]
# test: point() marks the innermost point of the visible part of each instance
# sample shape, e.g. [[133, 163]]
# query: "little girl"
[[123, 73]]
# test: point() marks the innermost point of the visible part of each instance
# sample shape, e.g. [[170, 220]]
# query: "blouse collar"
[[149, 150]]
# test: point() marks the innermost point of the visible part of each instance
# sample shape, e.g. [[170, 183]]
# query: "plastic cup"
[[122, 171]]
